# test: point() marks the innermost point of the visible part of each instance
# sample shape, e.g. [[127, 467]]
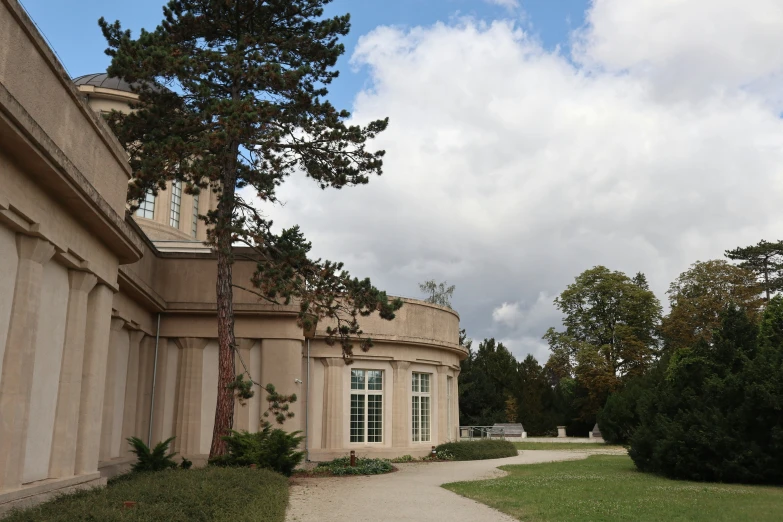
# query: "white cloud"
[[510, 169], [508, 4], [687, 48]]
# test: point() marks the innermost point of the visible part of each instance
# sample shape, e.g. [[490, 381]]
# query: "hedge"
[[477, 450], [206, 494]]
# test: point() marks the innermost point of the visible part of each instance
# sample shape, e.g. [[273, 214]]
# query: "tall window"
[[421, 407], [176, 202], [366, 405], [147, 207], [194, 222]]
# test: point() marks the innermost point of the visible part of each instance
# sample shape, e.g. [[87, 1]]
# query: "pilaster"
[[443, 415], [131, 392], [332, 431], [242, 411], [66, 421], [19, 358], [109, 397], [96, 347], [400, 421], [187, 426]]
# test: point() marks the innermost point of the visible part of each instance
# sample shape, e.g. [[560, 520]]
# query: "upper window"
[[420, 406], [366, 405], [147, 207], [176, 202], [194, 223]]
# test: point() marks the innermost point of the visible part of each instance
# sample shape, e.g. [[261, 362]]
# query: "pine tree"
[[231, 95], [765, 260]]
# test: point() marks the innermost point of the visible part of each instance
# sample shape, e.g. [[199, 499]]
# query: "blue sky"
[[72, 28]]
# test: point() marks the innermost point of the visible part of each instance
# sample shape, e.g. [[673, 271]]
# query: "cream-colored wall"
[[48, 358], [208, 395]]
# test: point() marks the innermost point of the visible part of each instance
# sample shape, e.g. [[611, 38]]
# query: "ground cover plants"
[[341, 466], [609, 488], [174, 495], [476, 450]]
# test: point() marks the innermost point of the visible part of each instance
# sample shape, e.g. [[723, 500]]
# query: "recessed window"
[[147, 207], [420, 403], [194, 223], [176, 202], [367, 406]]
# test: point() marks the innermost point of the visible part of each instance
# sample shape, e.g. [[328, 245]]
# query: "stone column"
[[161, 379], [19, 359], [66, 421], [107, 419], [455, 404], [96, 347], [131, 392], [443, 416], [242, 411], [400, 422], [332, 422], [187, 426], [144, 391]]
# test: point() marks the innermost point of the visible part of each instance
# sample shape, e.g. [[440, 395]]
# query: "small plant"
[[269, 448], [402, 459], [444, 454], [476, 450], [186, 464], [156, 459], [342, 466]]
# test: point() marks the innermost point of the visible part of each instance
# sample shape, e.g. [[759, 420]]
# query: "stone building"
[[107, 320]]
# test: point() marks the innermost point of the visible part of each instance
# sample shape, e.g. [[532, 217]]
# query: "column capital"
[[135, 338], [80, 281], [400, 365], [34, 249], [245, 343], [443, 369], [117, 323], [191, 343], [333, 361]]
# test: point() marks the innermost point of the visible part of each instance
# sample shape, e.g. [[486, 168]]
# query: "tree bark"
[[224, 410]]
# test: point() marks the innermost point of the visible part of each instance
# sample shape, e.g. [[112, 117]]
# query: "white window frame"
[[364, 392], [176, 203], [147, 206], [194, 223], [421, 407]]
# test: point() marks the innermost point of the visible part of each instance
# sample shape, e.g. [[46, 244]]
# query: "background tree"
[[765, 260], [486, 381], [244, 107], [536, 401], [437, 293], [610, 333], [699, 296]]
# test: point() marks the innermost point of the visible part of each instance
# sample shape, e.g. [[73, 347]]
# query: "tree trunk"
[[224, 410]]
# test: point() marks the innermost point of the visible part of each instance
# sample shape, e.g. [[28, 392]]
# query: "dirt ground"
[[412, 493]]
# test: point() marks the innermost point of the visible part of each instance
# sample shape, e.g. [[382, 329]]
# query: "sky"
[[531, 140]]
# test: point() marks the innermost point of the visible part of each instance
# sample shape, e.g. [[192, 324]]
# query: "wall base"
[[43, 490]]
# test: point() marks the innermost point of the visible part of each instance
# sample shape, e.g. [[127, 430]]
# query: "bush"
[[478, 449], [717, 416], [174, 495], [156, 459], [341, 466], [269, 448]]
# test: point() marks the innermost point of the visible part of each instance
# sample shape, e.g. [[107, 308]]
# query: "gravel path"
[[413, 493]]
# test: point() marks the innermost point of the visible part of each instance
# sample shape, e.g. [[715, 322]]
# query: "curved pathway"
[[413, 493]]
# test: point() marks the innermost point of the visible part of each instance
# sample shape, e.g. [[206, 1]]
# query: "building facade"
[[107, 320]]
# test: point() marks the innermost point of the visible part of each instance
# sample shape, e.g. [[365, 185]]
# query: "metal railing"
[[481, 432]]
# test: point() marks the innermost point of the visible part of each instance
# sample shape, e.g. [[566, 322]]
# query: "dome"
[[104, 81]]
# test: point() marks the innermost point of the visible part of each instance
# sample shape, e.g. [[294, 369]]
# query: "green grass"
[[564, 445], [607, 488], [476, 450], [206, 494]]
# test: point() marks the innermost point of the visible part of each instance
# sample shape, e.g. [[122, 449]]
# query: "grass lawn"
[[605, 487], [206, 494], [564, 445]]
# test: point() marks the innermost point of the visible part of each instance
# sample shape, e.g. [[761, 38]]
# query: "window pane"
[[374, 380], [357, 379], [357, 418], [415, 419], [424, 379], [194, 223], [425, 418], [415, 382], [176, 201], [147, 207], [374, 418]]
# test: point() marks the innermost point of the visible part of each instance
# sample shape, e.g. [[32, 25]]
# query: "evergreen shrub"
[[269, 448], [478, 449]]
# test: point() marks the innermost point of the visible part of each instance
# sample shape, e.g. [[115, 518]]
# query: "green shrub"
[[269, 448], [402, 459], [174, 495], [341, 466], [477, 449], [718, 414], [156, 459]]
